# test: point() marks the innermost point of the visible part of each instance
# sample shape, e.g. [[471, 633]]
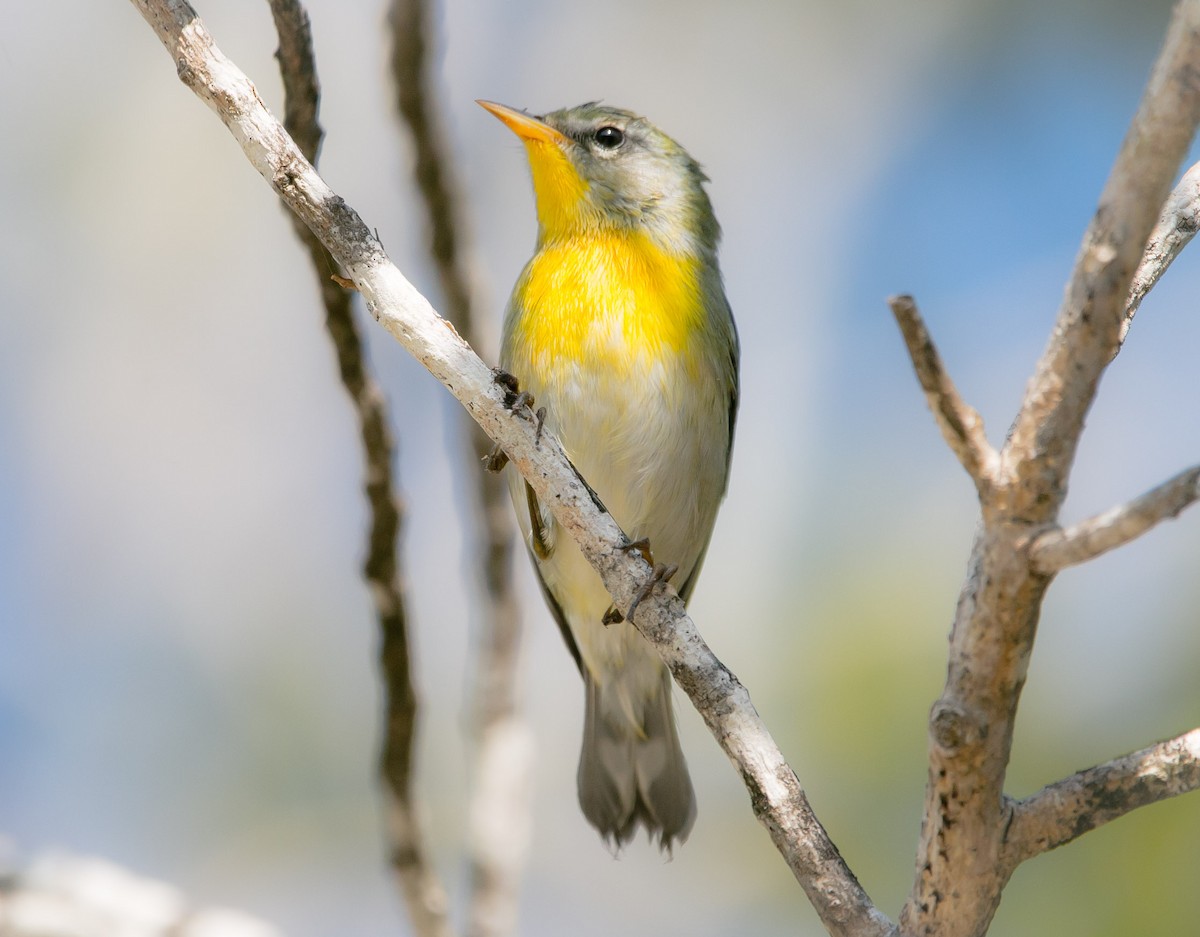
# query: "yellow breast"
[[606, 299]]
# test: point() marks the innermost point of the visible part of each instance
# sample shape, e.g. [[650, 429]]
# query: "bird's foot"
[[662, 572], [495, 460], [642, 546], [515, 399], [540, 416]]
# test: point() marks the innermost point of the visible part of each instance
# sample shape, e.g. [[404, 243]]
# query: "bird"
[[620, 330]]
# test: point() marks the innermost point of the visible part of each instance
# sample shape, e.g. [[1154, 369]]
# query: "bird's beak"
[[527, 128]]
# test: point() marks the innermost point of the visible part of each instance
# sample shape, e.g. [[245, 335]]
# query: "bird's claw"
[[662, 572], [642, 546], [515, 399], [540, 416], [495, 460]]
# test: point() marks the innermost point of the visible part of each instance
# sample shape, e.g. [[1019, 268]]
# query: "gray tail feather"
[[630, 774]]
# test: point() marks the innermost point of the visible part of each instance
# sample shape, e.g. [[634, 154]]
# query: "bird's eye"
[[610, 137]]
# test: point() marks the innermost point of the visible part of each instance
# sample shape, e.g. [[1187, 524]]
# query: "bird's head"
[[598, 168]]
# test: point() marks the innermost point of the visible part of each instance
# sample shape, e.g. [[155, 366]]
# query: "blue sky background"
[[187, 678]]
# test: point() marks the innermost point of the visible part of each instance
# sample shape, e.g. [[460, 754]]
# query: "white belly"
[[653, 447]]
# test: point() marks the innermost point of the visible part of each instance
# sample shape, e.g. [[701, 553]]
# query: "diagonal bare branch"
[[1062, 547], [499, 820], [1067, 809], [777, 798], [961, 424], [1087, 333], [425, 897], [1177, 224]]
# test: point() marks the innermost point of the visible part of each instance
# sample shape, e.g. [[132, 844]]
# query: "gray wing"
[[542, 549]]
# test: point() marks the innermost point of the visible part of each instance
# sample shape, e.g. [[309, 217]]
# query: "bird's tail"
[[631, 769]]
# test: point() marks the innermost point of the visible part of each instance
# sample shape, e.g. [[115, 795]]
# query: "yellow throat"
[[605, 286]]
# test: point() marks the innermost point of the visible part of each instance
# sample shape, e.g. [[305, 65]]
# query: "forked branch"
[[1087, 333], [961, 863]]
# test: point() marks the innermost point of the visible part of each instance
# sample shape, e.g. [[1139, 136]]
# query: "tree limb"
[[776, 796], [425, 898], [499, 821], [1059, 548], [1177, 224], [1067, 809], [960, 868], [961, 425], [1087, 332]]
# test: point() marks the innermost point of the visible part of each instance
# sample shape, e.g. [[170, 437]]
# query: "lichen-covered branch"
[[961, 869], [1059, 548], [961, 425], [425, 898], [499, 818], [1067, 809], [776, 796]]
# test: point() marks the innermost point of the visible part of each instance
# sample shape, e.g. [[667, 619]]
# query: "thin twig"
[[424, 895], [777, 798], [1059, 548], [499, 819], [961, 424], [1178, 223], [1067, 809]]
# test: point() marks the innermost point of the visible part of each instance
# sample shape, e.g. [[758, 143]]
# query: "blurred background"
[[187, 654]]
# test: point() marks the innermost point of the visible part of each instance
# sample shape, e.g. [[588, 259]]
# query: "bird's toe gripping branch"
[[642, 545], [662, 573], [517, 401]]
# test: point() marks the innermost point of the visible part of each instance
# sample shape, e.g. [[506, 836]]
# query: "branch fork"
[[973, 837]]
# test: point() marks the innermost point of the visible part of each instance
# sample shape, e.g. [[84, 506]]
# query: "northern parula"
[[619, 327]]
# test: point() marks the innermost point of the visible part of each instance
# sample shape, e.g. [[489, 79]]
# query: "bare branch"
[[424, 895], [1063, 811], [1087, 333], [1176, 226], [1059, 548], [433, 169], [298, 69], [499, 821], [961, 425], [778, 800], [960, 872]]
